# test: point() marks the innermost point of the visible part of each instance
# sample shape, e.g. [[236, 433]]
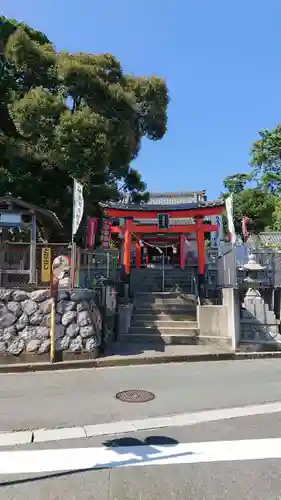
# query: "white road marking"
[[78, 459]]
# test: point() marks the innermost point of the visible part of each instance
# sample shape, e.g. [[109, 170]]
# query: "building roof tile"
[[146, 207]]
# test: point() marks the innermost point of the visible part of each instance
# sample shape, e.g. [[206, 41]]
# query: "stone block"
[[29, 307], [28, 333], [72, 330], [40, 295], [5, 294], [91, 344], [44, 435], [42, 332], [22, 322], [46, 306], [15, 438], [62, 344], [36, 318], [9, 332], [15, 308], [87, 331], [7, 319], [33, 345], [16, 347], [68, 318], [44, 347], [64, 306], [76, 345], [20, 295], [84, 318]]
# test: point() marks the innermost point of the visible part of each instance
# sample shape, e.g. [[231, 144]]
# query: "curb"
[[133, 361], [16, 438]]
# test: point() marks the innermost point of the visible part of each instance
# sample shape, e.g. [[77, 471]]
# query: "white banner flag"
[[229, 213], [78, 206]]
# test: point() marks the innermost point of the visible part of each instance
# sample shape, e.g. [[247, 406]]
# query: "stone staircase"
[[167, 318]]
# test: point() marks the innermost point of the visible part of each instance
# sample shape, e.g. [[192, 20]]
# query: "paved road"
[[81, 397], [229, 480]]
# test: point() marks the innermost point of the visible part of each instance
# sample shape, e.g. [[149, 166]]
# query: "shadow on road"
[[143, 451]]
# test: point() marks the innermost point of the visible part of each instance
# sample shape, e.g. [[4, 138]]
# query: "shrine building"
[[170, 228]]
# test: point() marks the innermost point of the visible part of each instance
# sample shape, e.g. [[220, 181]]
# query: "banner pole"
[[78, 210]]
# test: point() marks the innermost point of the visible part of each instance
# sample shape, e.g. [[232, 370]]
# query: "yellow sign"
[[46, 264]]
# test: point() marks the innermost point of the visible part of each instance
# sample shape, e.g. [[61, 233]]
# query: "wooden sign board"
[[46, 265]]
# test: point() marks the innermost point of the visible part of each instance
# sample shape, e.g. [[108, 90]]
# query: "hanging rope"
[[154, 246]]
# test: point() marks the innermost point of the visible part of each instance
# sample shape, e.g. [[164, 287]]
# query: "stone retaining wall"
[[25, 322]]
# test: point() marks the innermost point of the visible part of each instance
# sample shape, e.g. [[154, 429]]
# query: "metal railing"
[[196, 290], [97, 266]]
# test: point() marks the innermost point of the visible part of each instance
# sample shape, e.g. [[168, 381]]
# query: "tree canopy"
[[261, 203], [266, 160], [256, 203], [81, 116]]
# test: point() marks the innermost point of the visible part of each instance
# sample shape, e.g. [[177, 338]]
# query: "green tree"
[[276, 216], [235, 183], [266, 160], [255, 203], [83, 117]]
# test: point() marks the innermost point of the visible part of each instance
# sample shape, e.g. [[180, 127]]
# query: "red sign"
[[91, 232], [106, 234]]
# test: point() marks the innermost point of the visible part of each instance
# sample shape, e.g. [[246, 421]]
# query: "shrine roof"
[[146, 207], [46, 217]]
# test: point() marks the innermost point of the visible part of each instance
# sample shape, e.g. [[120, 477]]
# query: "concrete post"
[[231, 301]]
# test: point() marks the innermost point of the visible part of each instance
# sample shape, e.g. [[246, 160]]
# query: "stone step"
[[165, 304], [164, 300], [159, 284], [166, 277], [160, 324], [167, 283], [159, 271], [172, 309], [162, 316], [176, 288], [168, 330], [157, 339], [166, 295]]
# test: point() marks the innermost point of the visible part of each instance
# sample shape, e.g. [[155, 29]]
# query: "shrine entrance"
[[169, 256], [179, 243]]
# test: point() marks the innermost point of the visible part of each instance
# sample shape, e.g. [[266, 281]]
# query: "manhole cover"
[[135, 396]]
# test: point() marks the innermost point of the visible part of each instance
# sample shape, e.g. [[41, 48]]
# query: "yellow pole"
[[52, 331]]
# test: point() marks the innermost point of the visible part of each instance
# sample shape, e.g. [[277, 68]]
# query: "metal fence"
[[95, 266]]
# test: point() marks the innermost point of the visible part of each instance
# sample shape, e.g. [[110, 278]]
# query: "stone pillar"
[[230, 299]]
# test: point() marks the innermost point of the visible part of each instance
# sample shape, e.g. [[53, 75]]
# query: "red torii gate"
[[132, 213]]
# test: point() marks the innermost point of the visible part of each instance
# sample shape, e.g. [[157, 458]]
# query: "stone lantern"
[[254, 276], [258, 321]]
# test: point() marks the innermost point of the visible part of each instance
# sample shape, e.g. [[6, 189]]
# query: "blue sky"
[[221, 60]]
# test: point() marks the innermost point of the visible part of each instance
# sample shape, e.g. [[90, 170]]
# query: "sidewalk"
[[142, 354]]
